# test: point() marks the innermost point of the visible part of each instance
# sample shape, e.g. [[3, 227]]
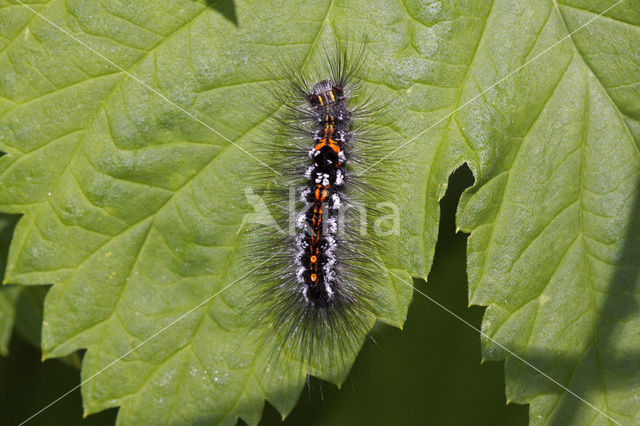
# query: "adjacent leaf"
[[7, 314], [8, 295], [20, 307], [28, 317], [554, 214], [132, 208]]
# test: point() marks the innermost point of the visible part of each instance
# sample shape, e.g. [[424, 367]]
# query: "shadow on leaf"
[[608, 363], [611, 352], [226, 8]]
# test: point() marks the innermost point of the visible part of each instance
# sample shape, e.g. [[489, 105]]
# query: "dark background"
[[429, 373]]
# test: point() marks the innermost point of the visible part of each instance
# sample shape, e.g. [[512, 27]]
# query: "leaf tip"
[[84, 415]]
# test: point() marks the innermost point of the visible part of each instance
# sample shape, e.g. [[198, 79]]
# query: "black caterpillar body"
[[316, 241], [317, 293]]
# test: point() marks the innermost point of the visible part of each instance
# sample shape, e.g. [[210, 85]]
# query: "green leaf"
[[553, 216], [132, 207]]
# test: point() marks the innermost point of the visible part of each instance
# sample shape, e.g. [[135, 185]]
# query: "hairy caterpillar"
[[317, 292]]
